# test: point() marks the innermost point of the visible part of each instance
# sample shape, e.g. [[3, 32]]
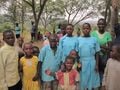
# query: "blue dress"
[[67, 44], [87, 48], [49, 61]]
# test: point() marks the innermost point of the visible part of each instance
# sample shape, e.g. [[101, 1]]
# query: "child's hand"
[[35, 78], [48, 72]]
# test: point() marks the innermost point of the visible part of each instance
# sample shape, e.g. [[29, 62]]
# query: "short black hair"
[[69, 24], [71, 58], [8, 31], [87, 24], [102, 19], [26, 44]]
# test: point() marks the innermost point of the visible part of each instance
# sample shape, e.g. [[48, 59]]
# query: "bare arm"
[[20, 69], [38, 73], [97, 61]]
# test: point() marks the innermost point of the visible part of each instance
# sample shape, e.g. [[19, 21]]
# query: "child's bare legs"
[[54, 85], [50, 85], [46, 86]]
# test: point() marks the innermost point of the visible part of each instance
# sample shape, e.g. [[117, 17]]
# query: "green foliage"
[[6, 25]]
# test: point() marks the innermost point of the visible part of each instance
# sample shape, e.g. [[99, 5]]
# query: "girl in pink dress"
[[69, 79]]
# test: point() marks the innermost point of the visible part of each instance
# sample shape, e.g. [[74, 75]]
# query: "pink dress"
[[67, 80]]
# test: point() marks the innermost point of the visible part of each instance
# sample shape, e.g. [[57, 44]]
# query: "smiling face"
[[28, 49], [53, 41], [9, 38], [101, 24], [69, 64]]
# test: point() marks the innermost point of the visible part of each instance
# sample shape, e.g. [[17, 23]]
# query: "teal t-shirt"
[[17, 30]]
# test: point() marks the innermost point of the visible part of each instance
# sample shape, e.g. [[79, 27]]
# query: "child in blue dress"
[[88, 49], [68, 42], [50, 58]]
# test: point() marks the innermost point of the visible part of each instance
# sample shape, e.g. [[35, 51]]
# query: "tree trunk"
[[23, 15]]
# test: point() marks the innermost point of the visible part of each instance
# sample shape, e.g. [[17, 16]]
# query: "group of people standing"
[[68, 63]]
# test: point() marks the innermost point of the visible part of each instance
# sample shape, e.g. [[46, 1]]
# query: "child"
[[104, 38], [69, 79], [36, 51], [28, 65], [77, 64], [68, 42], [50, 58], [9, 75], [88, 49], [111, 77]]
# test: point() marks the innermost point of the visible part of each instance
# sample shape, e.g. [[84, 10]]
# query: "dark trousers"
[[18, 86]]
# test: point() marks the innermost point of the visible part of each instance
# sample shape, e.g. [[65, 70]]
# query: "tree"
[[53, 10], [80, 9], [115, 6], [36, 4]]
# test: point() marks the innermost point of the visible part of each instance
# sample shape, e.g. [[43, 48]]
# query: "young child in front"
[[111, 77], [28, 65], [69, 79]]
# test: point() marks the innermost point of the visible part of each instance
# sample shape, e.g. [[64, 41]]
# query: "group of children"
[[73, 63]]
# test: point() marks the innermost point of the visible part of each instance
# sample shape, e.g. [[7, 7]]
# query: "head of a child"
[[20, 41], [86, 28], [35, 51], [53, 41], [69, 29], [63, 29], [73, 53], [101, 24], [8, 37], [115, 52], [69, 62], [28, 49]]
